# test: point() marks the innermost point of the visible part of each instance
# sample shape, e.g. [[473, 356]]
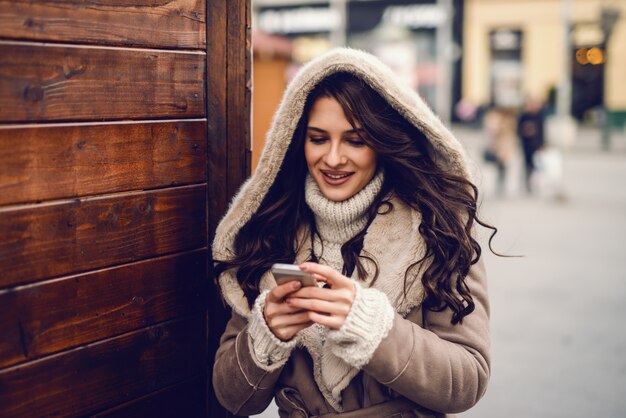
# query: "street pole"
[[564, 97], [608, 17], [338, 33], [565, 131], [444, 62]]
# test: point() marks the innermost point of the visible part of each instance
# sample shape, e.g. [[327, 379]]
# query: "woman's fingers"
[[287, 333], [322, 306], [343, 295], [279, 292], [286, 326], [336, 280], [334, 322], [331, 276], [283, 321]]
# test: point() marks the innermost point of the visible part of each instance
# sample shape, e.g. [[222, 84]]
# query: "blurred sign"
[[299, 20], [585, 35], [506, 67], [506, 40], [415, 16]]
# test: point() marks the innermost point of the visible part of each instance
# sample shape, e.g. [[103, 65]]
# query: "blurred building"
[[515, 48], [419, 39], [459, 55]]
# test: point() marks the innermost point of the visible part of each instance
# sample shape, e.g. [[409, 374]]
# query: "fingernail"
[[297, 284], [303, 267]]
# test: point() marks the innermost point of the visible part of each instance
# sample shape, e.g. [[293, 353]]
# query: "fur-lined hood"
[[446, 150]]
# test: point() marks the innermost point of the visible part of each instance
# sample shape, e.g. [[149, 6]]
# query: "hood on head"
[[447, 151]]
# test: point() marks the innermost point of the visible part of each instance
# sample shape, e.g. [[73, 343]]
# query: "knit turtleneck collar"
[[337, 222]]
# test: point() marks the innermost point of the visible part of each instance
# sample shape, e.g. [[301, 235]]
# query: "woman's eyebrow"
[[351, 131]]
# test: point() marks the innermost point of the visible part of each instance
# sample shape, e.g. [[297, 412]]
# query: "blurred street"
[[557, 313]]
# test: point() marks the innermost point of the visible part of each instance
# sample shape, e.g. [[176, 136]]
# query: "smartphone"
[[284, 273]]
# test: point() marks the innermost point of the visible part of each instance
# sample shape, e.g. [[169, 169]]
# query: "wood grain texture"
[[46, 318], [182, 400], [216, 114], [95, 159], [56, 83], [55, 239], [239, 94], [228, 85], [164, 23], [101, 375]]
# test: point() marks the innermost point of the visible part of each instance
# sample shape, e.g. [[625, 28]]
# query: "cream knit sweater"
[[370, 317]]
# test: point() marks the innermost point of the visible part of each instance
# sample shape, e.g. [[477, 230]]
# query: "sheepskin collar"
[[392, 240], [446, 150]]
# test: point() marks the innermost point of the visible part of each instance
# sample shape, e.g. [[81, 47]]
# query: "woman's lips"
[[336, 178]]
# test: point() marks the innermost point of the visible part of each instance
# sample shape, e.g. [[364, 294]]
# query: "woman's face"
[[337, 158]]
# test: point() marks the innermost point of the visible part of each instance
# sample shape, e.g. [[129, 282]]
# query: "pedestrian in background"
[[500, 130], [530, 129], [362, 186]]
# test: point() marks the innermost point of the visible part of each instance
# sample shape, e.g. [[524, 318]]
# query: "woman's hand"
[[284, 320], [325, 306]]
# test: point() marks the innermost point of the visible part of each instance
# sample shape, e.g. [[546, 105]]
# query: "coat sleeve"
[[446, 367], [240, 383]]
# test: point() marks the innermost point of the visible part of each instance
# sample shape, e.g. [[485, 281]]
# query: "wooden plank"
[[239, 89], [104, 374], [218, 167], [48, 317], [182, 400], [216, 113], [96, 159], [166, 24], [59, 238], [229, 47], [40, 82]]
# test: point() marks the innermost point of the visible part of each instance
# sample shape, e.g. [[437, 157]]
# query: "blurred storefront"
[[420, 39], [514, 49]]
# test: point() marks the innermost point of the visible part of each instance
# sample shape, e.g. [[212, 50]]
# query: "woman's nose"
[[334, 157]]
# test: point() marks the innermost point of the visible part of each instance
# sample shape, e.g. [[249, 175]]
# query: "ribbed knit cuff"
[[270, 352], [369, 321]]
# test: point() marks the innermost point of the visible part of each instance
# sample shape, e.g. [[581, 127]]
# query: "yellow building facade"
[[541, 60]]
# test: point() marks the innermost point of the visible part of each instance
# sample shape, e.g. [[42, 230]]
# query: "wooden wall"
[[124, 130]]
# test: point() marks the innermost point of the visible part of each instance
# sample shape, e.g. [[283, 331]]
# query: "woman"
[[361, 185]]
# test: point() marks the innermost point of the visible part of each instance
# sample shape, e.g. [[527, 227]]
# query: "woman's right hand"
[[282, 319]]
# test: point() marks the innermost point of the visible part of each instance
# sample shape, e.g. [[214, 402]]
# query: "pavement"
[[558, 311], [558, 332]]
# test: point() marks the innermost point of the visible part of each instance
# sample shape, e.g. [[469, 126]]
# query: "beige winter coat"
[[425, 367]]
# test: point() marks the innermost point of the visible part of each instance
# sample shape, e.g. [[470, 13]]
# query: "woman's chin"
[[336, 195]]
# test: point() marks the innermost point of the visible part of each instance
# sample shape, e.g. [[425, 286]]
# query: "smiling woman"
[[361, 186]]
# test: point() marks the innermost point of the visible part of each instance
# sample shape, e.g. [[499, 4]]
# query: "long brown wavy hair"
[[446, 201]]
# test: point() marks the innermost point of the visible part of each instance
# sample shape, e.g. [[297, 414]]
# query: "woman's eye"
[[355, 142], [317, 139]]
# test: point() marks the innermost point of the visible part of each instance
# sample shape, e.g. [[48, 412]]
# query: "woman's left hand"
[[326, 306]]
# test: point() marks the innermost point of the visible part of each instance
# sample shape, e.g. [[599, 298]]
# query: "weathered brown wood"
[[228, 76], [239, 88], [55, 239], [40, 82], [48, 317], [104, 374], [93, 159], [165, 23], [216, 113], [182, 400]]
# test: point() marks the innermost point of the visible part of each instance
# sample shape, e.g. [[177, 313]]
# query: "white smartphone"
[[284, 273]]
